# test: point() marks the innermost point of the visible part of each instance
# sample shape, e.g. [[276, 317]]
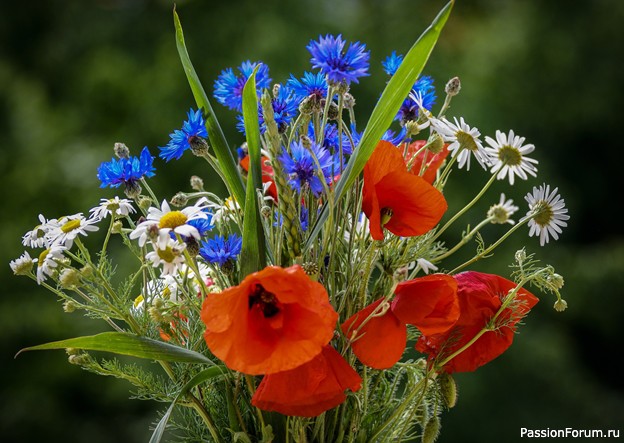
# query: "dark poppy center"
[[264, 300]]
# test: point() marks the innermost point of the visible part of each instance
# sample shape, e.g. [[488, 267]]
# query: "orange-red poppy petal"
[[310, 389], [432, 161], [430, 303], [378, 343], [275, 320]]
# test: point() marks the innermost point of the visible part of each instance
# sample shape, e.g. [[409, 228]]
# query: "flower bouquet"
[[314, 302]]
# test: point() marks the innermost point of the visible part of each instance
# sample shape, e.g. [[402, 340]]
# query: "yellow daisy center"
[[543, 214], [167, 254], [70, 226], [509, 155], [42, 257], [172, 220], [466, 141]]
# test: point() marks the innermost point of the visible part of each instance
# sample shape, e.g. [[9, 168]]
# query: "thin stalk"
[[465, 239]]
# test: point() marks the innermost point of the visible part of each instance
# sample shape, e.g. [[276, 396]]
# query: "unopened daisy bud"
[[79, 359], [22, 265], [199, 145], [349, 101], [144, 202], [179, 200], [117, 227], [520, 255], [121, 150], [556, 281], [306, 142], [448, 389], [132, 189], [276, 89], [560, 305], [435, 145], [197, 184], [70, 306], [453, 86], [431, 430], [312, 269], [86, 271], [69, 278], [411, 127]]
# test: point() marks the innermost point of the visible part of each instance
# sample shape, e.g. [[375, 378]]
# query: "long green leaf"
[[386, 109], [253, 253], [126, 344], [201, 377], [229, 171]]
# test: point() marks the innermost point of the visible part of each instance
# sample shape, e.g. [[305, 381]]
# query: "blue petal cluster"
[[338, 66], [220, 250], [228, 88], [126, 171], [309, 85], [180, 139], [331, 139], [203, 225], [301, 166], [285, 108], [392, 63], [409, 109]]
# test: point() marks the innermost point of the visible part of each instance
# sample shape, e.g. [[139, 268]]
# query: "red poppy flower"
[[397, 200], [432, 161], [275, 320], [267, 174], [309, 389], [480, 297], [429, 303]]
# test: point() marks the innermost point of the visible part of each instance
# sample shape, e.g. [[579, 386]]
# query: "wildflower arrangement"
[[315, 302]]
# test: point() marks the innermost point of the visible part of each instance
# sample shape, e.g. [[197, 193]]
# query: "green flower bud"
[[121, 150], [197, 183], [431, 430], [448, 389], [69, 278]]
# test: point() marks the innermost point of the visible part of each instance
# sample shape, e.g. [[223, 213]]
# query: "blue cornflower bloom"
[[392, 62], [182, 139], [126, 171], [285, 108], [301, 166], [228, 88], [395, 139], [309, 85], [203, 225], [331, 140], [409, 109], [338, 66], [220, 249]]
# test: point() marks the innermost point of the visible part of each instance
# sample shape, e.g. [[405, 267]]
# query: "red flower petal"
[[380, 342], [275, 320], [479, 300], [430, 303], [310, 389], [432, 161], [267, 174]]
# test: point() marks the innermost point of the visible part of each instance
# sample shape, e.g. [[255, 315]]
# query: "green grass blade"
[[233, 179], [126, 344], [386, 108], [253, 254]]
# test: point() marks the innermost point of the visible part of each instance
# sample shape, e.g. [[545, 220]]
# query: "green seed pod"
[[431, 430], [448, 389]]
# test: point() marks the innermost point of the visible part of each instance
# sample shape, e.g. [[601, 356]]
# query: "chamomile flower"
[[463, 141], [169, 255], [67, 228], [162, 221], [38, 236], [117, 207], [22, 265], [508, 155], [501, 212], [425, 265], [547, 213], [48, 261]]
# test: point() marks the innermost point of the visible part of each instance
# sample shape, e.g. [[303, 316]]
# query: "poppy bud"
[[431, 430], [448, 389]]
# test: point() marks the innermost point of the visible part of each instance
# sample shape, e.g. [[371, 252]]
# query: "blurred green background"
[[76, 76]]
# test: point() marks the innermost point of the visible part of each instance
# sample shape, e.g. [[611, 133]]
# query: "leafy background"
[[75, 77]]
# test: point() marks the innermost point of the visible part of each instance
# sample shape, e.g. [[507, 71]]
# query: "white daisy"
[[463, 140], [166, 221], [66, 229], [424, 264], [48, 261], [171, 257], [417, 97], [501, 212], [508, 156], [37, 238], [225, 211], [547, 212], [112, 206], [22, 265]]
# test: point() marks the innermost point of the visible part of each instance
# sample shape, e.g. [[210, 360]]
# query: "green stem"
[[466, 238]]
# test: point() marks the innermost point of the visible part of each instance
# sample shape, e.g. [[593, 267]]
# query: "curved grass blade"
[[386, 108], [204, 375], [253, 253], [126, 344], [231, 174]]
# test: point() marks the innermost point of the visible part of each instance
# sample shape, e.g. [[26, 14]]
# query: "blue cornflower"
[[203, 225], [328, 56], [301, 166], [392, 63], [126, 171], [228, 88], [182, 139], [221, 250], [309, 85], [395, 139], [285, 108], [331, 140], [409, 109]]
